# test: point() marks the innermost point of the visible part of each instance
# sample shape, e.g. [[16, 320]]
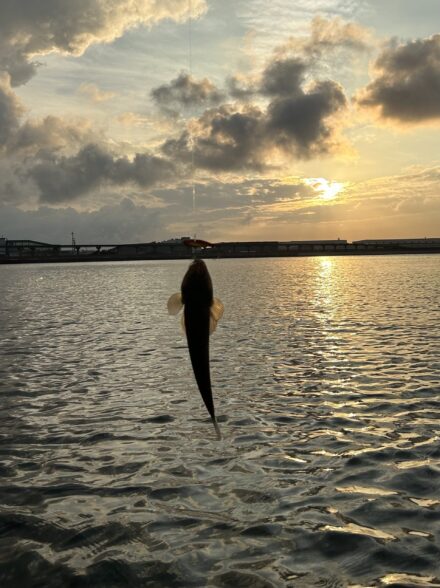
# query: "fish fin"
[[174, 303], [216, 313], [217, 309], [182, 324]]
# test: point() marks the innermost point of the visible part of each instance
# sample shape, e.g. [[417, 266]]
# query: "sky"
[[140, 120]]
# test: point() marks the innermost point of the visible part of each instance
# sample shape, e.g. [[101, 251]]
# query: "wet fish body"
[[201, 312]]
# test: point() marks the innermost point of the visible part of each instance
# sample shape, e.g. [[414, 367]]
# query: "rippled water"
[[326, 377]]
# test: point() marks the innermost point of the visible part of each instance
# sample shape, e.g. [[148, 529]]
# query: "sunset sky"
[[304, 120]]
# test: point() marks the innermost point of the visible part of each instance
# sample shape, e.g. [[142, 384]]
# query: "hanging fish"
[[201, 312]]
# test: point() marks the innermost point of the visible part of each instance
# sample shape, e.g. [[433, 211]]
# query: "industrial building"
[[23, 247]]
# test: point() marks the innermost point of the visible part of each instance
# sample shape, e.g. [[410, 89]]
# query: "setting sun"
[[324, 188]]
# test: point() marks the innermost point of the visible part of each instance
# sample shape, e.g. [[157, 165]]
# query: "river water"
[[326, 376]]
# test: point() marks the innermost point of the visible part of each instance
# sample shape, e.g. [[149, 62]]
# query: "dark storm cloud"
[[296, 122], [185, 92], [31, 28], [65, 178], [407, 83]]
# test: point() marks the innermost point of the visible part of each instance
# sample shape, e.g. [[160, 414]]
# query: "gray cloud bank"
[[63, 178], [261, 209], [185, 92], [297, 122], [65, 160], [280, 113], [406, 87], [30, 137], [122, 222], [29, 29], [129, 220]]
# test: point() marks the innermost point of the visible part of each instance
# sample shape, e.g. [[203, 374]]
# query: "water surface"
[[326, 376]]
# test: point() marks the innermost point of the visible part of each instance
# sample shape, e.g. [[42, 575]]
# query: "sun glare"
[[324, 189]]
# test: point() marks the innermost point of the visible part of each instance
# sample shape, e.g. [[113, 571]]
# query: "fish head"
[[197, 284]]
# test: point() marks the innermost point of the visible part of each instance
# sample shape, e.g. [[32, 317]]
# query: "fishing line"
[[191, 137]]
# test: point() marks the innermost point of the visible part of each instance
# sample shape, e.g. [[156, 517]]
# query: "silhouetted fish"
[[201, 313]]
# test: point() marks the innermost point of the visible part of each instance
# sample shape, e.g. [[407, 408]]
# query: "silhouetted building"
[[24, 247]]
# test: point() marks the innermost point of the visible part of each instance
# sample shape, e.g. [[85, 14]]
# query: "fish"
[[201, 313]]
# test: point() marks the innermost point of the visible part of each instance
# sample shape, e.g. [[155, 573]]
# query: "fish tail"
[[217, 429]]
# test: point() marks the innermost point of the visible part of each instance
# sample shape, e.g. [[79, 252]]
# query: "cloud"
[[11, 110], [299, 55], [406, 87], [290, 118], [335, 33], [297, 123], [241, 87], [120, 222], [62, 179], [135, 119], [14, 61], [279, 113], [31, 29], [50, 134], [221, 209], [283, 77], [185, 92], [301, 122], [34, 135], [14, 187], [226, 139], [327, 36], [94, 93], [65, 159], [402, 205]]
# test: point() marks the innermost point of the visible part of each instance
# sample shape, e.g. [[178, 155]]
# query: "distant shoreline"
[[209, 254], [16, 251]]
